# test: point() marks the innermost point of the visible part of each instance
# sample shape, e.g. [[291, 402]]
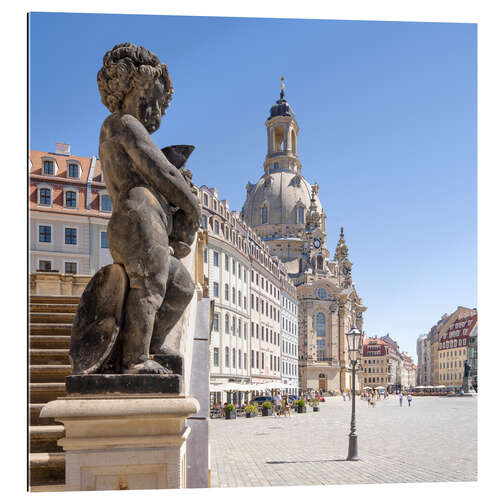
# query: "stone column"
[[123, 441]]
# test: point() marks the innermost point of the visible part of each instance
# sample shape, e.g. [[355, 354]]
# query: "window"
[[216, 289], [70, 199], [48, 167], [252, 329], [226, 360], [320, 325], [226, 292], [73, 170], [234, 295], [239, 328], [234, 357], [205, 255], [216, 227], [300, 215], [226, 262], [216, 259], [216, 356], [45, 234], [70, 267], [45, 197], [226, 323], [106, 203], [239, 298], [205, 199], [321, 293], [264, 215], [245, 360], [234, 267], [104, 239], [70, 236], [252, 358], [263, 360], [239, 358], [215, 325], [44, 265], [245, 330], [233, 327]]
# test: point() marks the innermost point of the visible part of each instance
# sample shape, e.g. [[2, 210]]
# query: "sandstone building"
[[285, 211]]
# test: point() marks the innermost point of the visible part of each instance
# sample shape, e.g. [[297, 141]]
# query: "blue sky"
[[387, 112]]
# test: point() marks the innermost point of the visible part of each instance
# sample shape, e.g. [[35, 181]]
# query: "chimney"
[[63, 148]]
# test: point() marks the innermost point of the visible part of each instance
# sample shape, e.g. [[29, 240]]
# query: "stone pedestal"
[[124, 441], [467, 385]]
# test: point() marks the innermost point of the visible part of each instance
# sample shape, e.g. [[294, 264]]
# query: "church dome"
[[281, 108], [284, 193]]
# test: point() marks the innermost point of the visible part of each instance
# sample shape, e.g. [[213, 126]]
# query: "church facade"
[[284, 209]]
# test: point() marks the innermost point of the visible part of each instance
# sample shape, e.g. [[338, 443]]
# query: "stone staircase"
[[50, 318]]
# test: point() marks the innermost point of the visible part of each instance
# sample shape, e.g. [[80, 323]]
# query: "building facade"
[[453, 349], [289, 334], [375, 363], [284, 209], [248, 286], [69, 211]]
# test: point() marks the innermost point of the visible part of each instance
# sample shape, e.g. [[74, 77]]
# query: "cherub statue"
[[156, 213]]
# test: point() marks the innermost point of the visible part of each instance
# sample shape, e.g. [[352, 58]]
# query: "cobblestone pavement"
[[433, 440]]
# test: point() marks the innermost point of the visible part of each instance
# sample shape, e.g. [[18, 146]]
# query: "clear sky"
[[387, 112]]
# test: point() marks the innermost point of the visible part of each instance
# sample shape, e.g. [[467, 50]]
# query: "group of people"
[[281, 405]]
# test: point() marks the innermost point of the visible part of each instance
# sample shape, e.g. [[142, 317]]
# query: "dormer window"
[[73, 170], [48, 167]]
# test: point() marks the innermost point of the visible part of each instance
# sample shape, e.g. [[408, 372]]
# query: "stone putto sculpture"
[[129, 307]]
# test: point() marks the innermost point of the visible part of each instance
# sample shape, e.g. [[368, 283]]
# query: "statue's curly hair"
[[126, 66]]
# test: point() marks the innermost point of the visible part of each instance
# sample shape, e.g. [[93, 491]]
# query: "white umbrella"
[[379, 387], [367, 387]]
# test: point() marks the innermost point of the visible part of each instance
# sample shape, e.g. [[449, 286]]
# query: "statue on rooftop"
[[129, 307]]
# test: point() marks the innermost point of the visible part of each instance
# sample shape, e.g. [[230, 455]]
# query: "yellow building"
[[374, 363]]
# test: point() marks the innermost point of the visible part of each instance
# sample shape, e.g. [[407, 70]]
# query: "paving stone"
[[435, 440]]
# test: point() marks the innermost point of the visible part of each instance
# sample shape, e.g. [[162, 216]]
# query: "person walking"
[[400, 399], [277, 403], [343, 395], [409, 399]]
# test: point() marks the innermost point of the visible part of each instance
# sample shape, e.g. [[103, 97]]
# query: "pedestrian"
[[400, 399], [343, 395], [368, 398], [409, 399], [349, 395], [277, 403]]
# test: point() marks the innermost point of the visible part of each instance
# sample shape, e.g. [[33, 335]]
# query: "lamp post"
[[353, 345]]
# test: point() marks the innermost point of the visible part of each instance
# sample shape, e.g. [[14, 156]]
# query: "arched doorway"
[[322, 382]]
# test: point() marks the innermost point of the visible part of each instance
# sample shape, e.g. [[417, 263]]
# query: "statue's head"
[[133, 80]]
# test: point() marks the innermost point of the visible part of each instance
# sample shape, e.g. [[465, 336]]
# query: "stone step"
[[49, 357], [43, 392], [50, 329], [54, 308], [47, 469], [35, 419], [49, 373], [50, 341], [43, 438], [54, 299], [50, 317]]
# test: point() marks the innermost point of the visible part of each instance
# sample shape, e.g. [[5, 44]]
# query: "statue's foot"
[[169, 358], [147, 367]]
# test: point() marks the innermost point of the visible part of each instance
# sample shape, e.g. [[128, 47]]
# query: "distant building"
[[375, 363], [69, 210]]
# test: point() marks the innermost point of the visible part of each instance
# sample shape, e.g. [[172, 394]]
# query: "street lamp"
[[353, 346]]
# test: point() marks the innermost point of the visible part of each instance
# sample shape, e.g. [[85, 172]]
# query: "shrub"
[[301, 402], [251, 409], [230, 407], [314, 402], [267, 404]]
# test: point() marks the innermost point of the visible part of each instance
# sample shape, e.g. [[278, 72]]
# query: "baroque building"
[[284, 209]]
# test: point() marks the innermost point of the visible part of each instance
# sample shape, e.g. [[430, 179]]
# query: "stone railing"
[[49, 283]]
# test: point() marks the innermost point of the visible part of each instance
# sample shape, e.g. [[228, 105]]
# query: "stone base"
[[128, 442], [102, 384]]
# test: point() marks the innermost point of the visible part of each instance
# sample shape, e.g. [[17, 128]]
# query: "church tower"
[[286, 212]]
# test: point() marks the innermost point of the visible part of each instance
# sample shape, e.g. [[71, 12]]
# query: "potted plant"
[[301, 406], [230, 413], [314, 403], [267, 409], [251, 411]]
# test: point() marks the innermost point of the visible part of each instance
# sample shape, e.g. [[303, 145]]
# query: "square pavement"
[[434, 440]]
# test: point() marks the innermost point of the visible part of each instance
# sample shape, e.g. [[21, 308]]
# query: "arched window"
[[264, 215], [320, 325], [300, 215], [294, 143], [226, 323], [279, 138]]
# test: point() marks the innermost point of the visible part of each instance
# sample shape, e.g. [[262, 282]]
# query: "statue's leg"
[[148, 284], [180, 289]]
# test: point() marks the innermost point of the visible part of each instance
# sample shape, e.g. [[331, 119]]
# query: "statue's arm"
[[154, 167]]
